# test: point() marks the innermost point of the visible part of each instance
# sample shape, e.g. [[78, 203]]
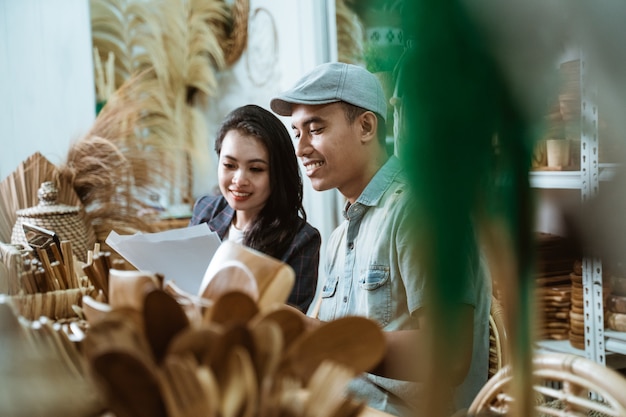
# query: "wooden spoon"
[[121, 329], [195, 306], [234, 334], [209, 386], [130, 385], [233, 306], [231, 275], [184, 393], [289, 319], [239, 385], [327, 390], [278, 288], [356, 342], [268, 342], [264, 268], [199, 341], [163, 319], [129, 288], [94, 310]]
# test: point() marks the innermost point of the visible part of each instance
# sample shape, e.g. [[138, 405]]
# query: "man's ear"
[[368, 125]]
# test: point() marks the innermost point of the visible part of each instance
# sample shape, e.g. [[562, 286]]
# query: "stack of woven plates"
[[616, 304], [555, 307], [553, 287], [576, 315]]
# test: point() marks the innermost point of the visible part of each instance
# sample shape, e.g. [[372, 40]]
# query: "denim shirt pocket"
[[375, 288], [374, 277], [328, 307], [330, 287]]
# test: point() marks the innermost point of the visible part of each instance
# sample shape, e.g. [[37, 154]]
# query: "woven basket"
[[56, 305], [66, 221]]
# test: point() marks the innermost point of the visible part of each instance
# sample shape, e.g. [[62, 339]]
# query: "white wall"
[[46, 79]]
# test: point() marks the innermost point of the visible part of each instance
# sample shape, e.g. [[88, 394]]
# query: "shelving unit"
[[603, 346], [568, 180], [590, 187]]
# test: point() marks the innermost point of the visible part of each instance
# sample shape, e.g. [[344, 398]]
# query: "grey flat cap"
[[333, 82]]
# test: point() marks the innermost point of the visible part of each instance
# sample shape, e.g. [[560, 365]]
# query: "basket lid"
[[48, 205]]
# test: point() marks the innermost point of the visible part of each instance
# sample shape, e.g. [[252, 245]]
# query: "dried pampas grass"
[[171, 50], [123, 159]]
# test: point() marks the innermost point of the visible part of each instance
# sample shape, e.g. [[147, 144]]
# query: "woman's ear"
[[368, 124]]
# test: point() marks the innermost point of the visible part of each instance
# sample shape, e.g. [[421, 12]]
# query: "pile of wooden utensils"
[[234, 350], [53, 282]]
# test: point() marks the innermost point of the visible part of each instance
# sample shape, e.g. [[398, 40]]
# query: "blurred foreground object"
[[42, 372], [564, 385]]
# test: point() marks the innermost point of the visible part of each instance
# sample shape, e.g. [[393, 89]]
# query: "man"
[[338, 118]]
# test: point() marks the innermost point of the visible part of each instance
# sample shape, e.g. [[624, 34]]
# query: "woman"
[[260, 204]]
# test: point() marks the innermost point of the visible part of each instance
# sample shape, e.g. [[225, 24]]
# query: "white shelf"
[[568, 180], [615, 348], [561, 346], [615, 335]]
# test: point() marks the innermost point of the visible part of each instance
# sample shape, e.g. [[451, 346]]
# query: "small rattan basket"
[[66, 221]]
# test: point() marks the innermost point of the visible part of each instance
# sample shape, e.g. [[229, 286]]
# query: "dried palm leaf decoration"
[[178, 46]]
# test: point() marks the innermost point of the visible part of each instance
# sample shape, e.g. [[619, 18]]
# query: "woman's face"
[[244, 173]]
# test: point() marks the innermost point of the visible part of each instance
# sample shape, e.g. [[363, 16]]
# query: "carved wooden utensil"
[[131, 385], [289, 319], [231, 275], [233, 306], [356, 342], [163, 318], [274, 278]]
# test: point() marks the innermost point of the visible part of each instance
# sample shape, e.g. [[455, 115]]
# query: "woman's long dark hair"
[[283, 214]]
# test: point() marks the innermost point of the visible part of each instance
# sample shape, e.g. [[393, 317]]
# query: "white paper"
[[180, 255]]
